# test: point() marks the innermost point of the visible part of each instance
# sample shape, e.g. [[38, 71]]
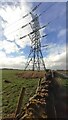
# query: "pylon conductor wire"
[[35, 51], [32, 19]]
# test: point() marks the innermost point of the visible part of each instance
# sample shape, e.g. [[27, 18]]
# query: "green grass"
[[11, 90], [63, 83]]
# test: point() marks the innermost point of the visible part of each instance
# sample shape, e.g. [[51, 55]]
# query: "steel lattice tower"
[[35, 55]]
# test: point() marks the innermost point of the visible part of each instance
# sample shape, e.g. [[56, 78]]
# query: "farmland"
[[11, 90], [14, 80]]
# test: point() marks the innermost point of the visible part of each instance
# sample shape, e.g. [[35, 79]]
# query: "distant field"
[[63, 71], [14, 80]]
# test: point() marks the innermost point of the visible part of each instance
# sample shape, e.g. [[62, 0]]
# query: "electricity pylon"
[[35, 55]]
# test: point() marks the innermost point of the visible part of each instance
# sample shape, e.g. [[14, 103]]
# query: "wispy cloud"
[[62, 33], [13, 17]]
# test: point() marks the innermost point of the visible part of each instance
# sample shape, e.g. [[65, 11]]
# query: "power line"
[[35, 8], [54, 19], [34, 31], [40, 29], [23, 41], [49, 23], [44, 46], [46, 9], [33, 19]]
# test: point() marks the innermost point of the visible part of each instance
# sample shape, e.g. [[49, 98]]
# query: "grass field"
[[62, 96], [11, 90], [62, 81], [13, 81]]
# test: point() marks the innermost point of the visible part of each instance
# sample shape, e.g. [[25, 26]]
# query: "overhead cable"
[[33, 19], [35, 8], [34, 31]]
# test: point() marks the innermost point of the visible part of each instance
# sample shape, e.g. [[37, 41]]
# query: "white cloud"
[[46, 0], [23, 42], [12, 14], [12, 62], [1, 45], [56, 60], [13, 17], [62, 33], [8, 46]]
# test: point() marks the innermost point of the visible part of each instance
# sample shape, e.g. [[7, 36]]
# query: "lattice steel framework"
[[35, 58]]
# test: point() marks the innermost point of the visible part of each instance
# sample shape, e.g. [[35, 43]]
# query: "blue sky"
[[14, 52]]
